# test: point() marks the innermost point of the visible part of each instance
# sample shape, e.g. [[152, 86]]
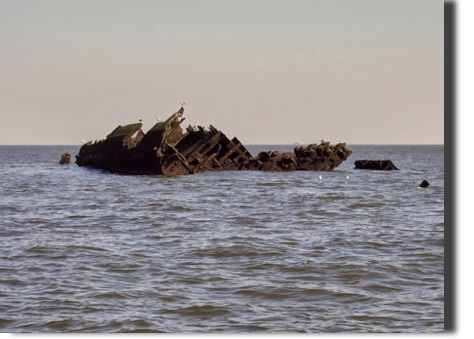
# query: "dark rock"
[[65, 159], [424, 184], [165, 149], [382, 165]]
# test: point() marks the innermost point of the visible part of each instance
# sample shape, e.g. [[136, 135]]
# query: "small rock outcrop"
[[424, 184], [65, 159], [381, 165], [167, 149]]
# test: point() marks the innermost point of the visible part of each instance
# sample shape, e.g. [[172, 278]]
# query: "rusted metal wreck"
[[166, 149]]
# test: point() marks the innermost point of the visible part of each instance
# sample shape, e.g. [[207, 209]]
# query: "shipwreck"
[[379, 165], [168, 150]]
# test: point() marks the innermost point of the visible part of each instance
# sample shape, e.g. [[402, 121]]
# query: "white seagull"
[[183, 103], [323, 140], [83, 141], [158, 118], [347, 177], [320, 177]]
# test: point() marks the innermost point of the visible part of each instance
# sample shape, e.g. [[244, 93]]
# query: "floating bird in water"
[[183, 103], [320, 177], [347, 177]]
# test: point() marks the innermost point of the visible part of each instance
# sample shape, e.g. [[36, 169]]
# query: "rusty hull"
[[166, 150]]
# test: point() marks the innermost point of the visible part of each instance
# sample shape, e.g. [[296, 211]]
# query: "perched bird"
[[158, 118], [183, 103], [323, 140], [141, 120], [83, 141]]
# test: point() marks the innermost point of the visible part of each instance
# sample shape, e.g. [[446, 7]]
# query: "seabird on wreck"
[[183, 103]]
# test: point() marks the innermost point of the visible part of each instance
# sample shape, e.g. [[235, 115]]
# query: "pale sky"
[[268, 72]]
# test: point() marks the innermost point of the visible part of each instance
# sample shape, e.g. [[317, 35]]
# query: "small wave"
[[10, 209], [202, 310], [271, 184], [381, 288], [5, 321], [59, 324], [76, 216], [269, 293], [360, 205], [177, 208], [87, 248], [249, 328], [323, 212], [12, 282], [94, 206], [315, 291], [154, 204], [125, 329], [38, 249], [371, 318], [104, 295], [235, 251]]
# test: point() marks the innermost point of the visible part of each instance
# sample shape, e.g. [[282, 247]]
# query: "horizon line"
[[302, 144]]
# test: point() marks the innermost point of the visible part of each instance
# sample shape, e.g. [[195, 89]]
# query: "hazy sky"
[[268, 72]]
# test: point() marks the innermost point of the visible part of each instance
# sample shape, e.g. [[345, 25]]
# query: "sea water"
[[84, 250]]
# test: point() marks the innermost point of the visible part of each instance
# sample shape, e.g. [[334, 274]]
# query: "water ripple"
[[89, 251]]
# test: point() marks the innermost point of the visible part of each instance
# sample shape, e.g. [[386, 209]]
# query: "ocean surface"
[[83, 250]]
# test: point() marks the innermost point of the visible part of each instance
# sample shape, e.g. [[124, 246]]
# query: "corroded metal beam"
[[166, 149]]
